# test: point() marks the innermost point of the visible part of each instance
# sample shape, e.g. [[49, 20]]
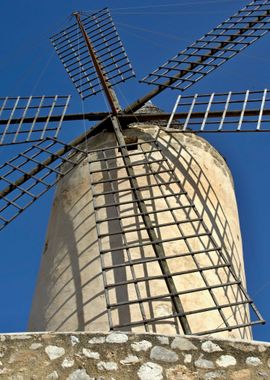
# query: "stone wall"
[[120, 356]]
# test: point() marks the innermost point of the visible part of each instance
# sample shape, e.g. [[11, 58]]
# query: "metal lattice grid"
[[28, 119], [133, 280], [27, 176], [214, 48], [73, 53], [223, 112]]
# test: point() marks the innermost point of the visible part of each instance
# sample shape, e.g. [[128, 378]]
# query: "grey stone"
[[79, 374], [150, 371], [4, 371], [2, 338], [20, 337], [107, 366], [243, 347], [182, 344], [130, 359], [226, 361], [117, 337], [90, 354], [262, 348], [53, 376], [35, 346], [187, 358], [217, 375], [163, 339], [263, 374], [143, 345], [253, 361], [204, 364], [74, 340], [67, 363], [163, 354], [54, 352], [210, 347], [97, 340]]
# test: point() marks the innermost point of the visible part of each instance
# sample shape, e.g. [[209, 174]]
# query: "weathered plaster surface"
[[120, 356], [70, 293]]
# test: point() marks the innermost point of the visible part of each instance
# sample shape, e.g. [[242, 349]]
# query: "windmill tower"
[[144, 232]]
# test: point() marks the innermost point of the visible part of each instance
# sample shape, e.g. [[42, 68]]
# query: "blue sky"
[[152, 31]]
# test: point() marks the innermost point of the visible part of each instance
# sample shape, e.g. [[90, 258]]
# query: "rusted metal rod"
[[157, 246], [130, 118], [112, 99]]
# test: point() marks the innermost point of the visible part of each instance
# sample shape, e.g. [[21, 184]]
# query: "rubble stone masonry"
[[123, 356]]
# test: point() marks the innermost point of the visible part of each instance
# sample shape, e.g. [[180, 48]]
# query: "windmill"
[[118, 160]]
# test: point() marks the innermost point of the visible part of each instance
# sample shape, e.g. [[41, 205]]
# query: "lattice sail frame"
[[20, 118], [214, 48], [130, 265], [73, 53], [222, 112], [37, 169]]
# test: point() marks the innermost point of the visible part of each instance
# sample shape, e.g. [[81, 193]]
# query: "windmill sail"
[[214, 48], [73, 52], [27, 176], [247, 111], [28, 119]]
